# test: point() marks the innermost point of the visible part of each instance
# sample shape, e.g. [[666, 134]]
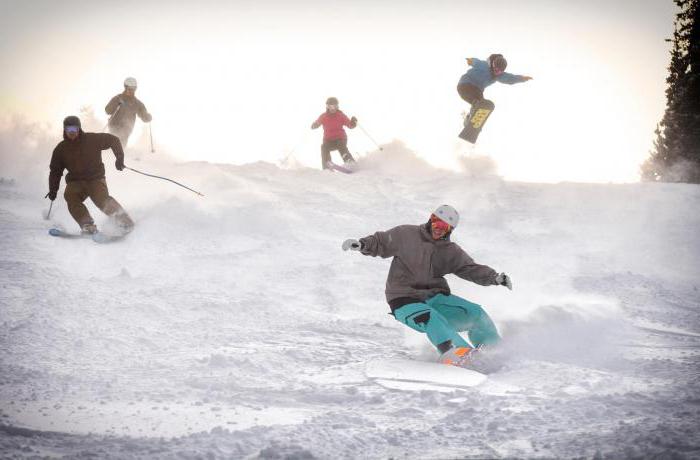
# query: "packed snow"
[[232, 325]]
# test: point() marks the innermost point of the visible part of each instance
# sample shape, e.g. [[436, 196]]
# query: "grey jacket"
[[123, 110], [420, 262]]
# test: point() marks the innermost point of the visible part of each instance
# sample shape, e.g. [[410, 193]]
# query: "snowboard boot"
[[88, 229], [467, 116], [458, 356], [493, 360]]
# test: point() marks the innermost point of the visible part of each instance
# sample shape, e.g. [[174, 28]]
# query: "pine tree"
[[676, 153]]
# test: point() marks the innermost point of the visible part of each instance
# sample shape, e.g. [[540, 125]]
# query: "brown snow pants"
[[77, 191], [341, 145]]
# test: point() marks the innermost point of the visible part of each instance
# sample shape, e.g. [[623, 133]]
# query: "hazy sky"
[[241, 81]]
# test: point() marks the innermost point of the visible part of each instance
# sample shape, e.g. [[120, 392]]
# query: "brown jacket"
[[123, 110], [420, 262], [82, 157]]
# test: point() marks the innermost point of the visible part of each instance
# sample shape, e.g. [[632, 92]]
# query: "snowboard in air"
[[476, 119]]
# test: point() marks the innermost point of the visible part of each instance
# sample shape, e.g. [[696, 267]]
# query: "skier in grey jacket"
[[123, 109], [417, 291]]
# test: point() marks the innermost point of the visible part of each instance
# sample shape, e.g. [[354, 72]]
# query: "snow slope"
[[233, 325]]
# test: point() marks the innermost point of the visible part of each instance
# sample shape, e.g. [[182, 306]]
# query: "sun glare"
[[241, 85]]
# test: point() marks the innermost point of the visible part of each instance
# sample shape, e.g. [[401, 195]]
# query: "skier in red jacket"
[[334, 136]]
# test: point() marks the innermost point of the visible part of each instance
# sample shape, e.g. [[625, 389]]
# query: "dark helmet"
[[71, 120], [332, 101], [497, 63]]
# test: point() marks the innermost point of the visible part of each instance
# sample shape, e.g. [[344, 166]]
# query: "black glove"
[[51, 195], [119, 164], [353, 120]]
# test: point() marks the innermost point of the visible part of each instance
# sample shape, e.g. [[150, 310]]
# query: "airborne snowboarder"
[[81, 154], [417, 291], [123, 109], [471, 89], [334, 136]]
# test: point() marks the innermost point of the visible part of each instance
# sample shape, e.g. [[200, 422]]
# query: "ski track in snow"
[[233, 325]]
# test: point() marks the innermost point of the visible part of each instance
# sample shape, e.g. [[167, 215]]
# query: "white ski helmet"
[[448, 214], [130, 82]]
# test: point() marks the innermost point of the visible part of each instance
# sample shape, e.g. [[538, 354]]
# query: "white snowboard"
[[404, 374]]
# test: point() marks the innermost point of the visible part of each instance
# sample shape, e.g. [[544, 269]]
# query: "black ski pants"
[[470, 93]]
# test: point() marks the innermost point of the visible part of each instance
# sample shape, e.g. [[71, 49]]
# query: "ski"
[[63, 234], [103, 238], [99, 237], [339, 168]]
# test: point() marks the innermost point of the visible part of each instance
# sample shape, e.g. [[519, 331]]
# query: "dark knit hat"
[[71, 120]]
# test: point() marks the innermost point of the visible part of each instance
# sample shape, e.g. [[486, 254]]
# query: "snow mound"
[[232, 325]]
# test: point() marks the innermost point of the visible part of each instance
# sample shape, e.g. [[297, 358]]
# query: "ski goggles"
[[332, 106], [72, 129], [439, 224]]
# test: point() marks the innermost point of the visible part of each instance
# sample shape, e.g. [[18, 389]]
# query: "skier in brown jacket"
[[123, 109], [418, 293], [81, 154]]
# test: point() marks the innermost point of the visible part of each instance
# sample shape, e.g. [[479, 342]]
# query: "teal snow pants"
[[442, 317]]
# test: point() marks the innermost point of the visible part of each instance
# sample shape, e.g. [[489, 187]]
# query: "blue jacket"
[[480, 75]]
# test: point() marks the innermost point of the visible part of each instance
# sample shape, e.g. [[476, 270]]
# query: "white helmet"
[[130, 82], [448, 214]]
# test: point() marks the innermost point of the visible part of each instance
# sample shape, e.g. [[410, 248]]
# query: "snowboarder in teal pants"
[[418, 293]]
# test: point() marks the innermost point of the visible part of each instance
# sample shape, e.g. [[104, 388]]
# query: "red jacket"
[[333, 125]]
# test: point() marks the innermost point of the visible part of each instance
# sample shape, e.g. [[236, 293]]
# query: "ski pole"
[[112, 116], [150, 131], [48, 214], [164, 178], [291, 152], [370, 137]]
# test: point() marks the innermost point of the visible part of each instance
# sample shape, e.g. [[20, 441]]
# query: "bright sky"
[[242, 81]]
